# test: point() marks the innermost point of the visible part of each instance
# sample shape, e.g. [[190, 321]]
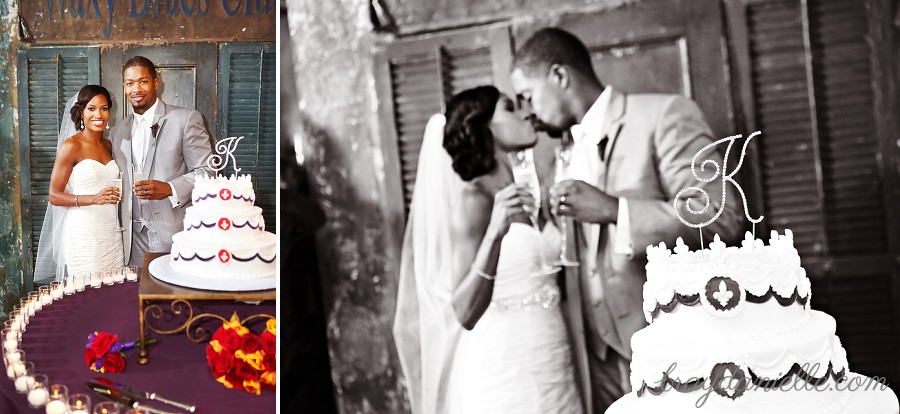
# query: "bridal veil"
[[425, 327], [50, 264]]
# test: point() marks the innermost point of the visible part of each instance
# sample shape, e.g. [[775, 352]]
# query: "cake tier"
[[223, 193], [858, 394], [693, 324], [726, 281], [236, 224], [224, 258], [810, 352]]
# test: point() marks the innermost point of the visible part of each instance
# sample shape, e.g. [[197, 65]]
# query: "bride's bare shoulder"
[[475, 195], [70, 146]]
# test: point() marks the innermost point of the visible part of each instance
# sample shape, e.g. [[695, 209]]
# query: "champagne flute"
[[563, 159], [117, 182], [135, 177], [525, 175]]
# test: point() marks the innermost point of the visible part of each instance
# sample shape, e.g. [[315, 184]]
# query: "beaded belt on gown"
[[547, 297]]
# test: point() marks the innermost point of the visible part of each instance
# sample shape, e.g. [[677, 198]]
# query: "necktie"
[[139, 142], [601, 148]]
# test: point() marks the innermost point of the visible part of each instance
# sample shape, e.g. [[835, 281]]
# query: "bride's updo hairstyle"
[[87, 93], [467, 134]]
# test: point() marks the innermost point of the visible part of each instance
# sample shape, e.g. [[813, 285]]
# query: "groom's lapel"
[[125, 143], [159, 120], [615, 114]]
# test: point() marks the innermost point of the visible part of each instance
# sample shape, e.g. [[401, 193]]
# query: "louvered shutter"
[[808, 85], [247, 108], [48, 77], [418, 76]]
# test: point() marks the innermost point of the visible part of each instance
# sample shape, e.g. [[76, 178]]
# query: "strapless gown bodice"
[[518, 358], [92, 243]]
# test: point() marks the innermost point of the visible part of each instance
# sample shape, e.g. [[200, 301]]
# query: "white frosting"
[[755, 267], [814, 343], [224, 234], [223, 192], [201, 256], [720, 330], [850, 397], [692, 324], [231, 224]]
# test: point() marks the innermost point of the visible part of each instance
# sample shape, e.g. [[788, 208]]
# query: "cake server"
[[122, 398], [144, 394]]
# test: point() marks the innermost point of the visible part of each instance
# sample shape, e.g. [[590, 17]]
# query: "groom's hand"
[[583, 202], [152, 190]]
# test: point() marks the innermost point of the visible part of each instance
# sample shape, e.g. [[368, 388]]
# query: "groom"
[[163, 147], [632, 154]]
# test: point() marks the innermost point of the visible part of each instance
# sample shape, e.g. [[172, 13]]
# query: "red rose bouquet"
[[104, 352], [241, 359]]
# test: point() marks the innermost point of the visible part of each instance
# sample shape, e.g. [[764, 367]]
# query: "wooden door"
[[187, 73], [657, 46]]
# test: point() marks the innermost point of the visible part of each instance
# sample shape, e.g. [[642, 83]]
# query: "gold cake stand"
[[153, 294]]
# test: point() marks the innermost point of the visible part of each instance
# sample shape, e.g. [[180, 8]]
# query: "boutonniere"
[[154, 133]]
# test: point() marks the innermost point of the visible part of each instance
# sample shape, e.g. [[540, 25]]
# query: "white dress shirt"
[[141, 139], [586, 166]]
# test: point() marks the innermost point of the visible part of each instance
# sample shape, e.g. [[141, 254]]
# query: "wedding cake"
[[224, 235], [731, 330]]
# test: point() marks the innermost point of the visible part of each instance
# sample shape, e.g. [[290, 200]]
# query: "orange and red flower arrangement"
[[241, 359]]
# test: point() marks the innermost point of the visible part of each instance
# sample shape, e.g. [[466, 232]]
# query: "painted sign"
[[152, 21]]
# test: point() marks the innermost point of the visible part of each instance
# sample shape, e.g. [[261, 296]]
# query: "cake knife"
[[145, 394], [122, 398]]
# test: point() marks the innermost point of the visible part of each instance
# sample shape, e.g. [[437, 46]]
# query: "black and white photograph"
[[591, 206]]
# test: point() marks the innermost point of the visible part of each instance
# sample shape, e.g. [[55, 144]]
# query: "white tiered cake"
[[731, 331], [224, 235]]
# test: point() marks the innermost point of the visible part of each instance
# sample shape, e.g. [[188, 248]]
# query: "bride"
[[472, 260], [80, 233]]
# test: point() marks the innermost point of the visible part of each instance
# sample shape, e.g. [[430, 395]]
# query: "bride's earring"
[[82, 124]]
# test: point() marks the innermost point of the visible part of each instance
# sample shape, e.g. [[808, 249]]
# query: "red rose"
[[267, 342], [269, 362], [245, 371], [89, 357], [235, 381], [113, 362], [219, 363], [250, 343], [102, 343], [228, 338]]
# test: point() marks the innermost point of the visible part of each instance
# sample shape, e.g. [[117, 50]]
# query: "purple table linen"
[[56, 336]]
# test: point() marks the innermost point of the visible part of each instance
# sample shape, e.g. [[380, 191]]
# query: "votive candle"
[[37, 391], [56, 407], [23, 383], [108, 278], [79, 282], [56, 290], [132, 273], [96, 280], [119, 276]]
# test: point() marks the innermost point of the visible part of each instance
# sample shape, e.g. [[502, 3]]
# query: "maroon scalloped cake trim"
[[764, 383], [693, 300]]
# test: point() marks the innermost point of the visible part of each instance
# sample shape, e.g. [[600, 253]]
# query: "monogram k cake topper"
[[224, 150], [726, 178]]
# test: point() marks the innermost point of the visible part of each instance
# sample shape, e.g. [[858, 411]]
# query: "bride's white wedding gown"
[[92, 242], [517, 359]]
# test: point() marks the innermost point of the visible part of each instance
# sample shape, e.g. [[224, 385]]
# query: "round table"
[[56, 336]]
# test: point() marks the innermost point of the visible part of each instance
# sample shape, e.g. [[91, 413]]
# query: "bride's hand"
[[108, 195], [509, 202]]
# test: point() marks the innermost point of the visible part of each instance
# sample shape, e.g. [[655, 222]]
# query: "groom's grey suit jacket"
[[176, 154]]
